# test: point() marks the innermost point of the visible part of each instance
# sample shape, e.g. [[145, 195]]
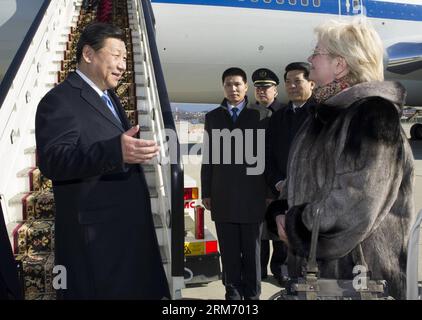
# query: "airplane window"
[[317, 3], [305, 3], [268, 1], [292, 2], [280, 1]]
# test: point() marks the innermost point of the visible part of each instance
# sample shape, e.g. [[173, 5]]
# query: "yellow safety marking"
[[194, 248]]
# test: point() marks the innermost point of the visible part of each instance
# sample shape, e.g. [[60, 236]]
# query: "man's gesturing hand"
[[136, 150]]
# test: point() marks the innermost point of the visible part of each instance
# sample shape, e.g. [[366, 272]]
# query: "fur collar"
[[389, 90]]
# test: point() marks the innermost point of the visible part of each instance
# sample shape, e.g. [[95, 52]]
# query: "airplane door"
[[352, 7]]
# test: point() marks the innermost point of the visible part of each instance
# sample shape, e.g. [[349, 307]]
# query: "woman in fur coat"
[[351, 161]]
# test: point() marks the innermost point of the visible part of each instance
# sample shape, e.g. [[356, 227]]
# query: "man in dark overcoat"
[[285, 123], [105, 237], [233, 183]]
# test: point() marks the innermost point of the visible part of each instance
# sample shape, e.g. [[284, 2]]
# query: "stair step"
[[148, 168], [163, 253], [154, 205], [150, 178], [157, 220], [24, 172], [30, 150], [159, 230], [10, 227], [144, 128], [17, 199], [153, 193]]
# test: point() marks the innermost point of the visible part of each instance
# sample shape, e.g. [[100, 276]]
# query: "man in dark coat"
[[105, 236], [233, 184], [265, 82], [10, 287], [285, 123], [282, 129]]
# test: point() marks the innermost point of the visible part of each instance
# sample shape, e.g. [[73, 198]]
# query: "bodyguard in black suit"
[[10, 287], [265, 82], [235, 190], [105, 236], [285, 123]]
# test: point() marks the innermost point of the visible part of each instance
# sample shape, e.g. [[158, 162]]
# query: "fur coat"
[[352, 162]]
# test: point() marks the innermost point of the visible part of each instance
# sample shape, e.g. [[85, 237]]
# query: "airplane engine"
[[404, 57]]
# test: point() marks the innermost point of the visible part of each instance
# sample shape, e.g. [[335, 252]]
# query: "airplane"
[[198, 39]]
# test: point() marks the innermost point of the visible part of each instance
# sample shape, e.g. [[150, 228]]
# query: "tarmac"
[[215, 290]]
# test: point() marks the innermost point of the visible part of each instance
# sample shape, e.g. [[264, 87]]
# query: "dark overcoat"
[[283, 126], [105, 235], [10, 286], [237, 188], [351, 161], [275, 106]]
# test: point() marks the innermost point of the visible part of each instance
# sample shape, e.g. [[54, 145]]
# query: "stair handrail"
[[177, 183]]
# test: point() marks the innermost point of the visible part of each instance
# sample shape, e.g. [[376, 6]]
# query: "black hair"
[[302, 66], [234, 72], [95, 34]]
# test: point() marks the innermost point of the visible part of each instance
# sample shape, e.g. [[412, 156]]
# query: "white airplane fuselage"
[[198, 40]]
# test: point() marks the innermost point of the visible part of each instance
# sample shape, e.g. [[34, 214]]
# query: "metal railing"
[[413, 290], [177, 183]]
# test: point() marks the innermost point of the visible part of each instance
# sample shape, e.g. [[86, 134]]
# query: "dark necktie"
[[234, 115]]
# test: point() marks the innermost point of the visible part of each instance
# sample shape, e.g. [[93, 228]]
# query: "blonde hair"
[[359, 44]]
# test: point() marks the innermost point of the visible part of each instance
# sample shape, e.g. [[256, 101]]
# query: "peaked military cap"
[[264, 78]]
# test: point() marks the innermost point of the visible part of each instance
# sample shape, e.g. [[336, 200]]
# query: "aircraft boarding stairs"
[[26, 195]]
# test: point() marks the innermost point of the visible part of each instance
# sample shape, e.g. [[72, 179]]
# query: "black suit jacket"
[[236, 196], [275, 106], [10, 286], [282, 129], [104, 229]]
